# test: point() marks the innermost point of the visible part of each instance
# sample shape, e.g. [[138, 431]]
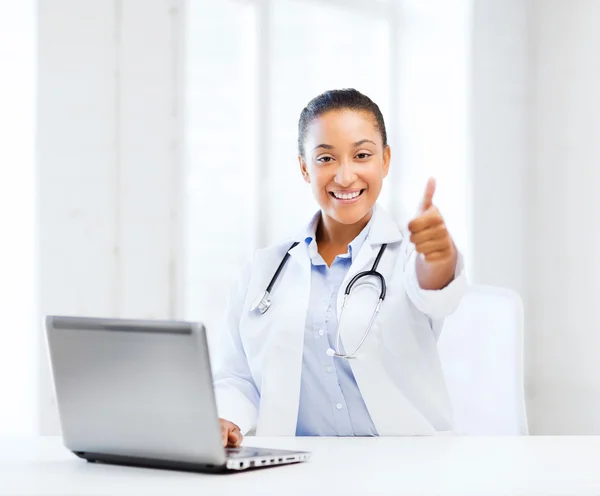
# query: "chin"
[[347, 215]]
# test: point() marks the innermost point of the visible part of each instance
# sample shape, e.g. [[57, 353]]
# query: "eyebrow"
[[362, 142], [358, 143]]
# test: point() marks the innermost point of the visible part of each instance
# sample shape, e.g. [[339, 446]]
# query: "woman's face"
[[345, 163]]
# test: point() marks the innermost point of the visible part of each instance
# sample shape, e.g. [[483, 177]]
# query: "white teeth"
[[348, 196]]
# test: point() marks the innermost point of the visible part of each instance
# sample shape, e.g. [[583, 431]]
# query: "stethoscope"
[[263, 303]]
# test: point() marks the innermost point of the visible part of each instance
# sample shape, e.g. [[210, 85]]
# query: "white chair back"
[[481, 348]]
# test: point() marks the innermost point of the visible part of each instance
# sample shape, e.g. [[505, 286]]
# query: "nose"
[[345, 175]]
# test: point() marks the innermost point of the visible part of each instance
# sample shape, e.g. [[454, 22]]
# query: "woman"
[[277, 371]]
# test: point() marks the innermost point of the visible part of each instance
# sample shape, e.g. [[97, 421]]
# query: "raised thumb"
[[427, 200]]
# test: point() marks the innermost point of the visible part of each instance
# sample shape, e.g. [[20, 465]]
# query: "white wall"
[[108, 167], [535, 178], [564, 226], [499, 162], [18, 364]]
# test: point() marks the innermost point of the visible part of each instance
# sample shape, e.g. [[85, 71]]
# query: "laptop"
[[140, 392]]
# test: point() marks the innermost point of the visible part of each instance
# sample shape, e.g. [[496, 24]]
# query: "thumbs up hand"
[[438, 255]]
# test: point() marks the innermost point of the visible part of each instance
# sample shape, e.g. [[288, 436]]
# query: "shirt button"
[[329, 370], [339, 406], [321, 332]]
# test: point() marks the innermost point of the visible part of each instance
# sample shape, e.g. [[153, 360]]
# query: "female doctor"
[[290, 365]]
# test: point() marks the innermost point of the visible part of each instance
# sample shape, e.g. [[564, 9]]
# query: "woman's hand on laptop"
[[230, 433]]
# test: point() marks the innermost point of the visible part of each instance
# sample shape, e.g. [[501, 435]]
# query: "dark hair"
[[344, 99]]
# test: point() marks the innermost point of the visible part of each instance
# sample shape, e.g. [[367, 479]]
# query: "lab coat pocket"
[[272, 332], [256, 333]]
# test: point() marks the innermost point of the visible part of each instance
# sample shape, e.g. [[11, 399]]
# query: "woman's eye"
[[325, 159], [361, 156]]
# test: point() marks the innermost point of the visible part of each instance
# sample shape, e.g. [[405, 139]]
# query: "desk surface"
[[423, 466]]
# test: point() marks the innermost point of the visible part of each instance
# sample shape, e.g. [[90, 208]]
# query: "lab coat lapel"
[[280, 391]]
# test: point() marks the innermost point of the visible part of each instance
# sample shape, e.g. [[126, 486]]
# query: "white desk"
[[407, 466]]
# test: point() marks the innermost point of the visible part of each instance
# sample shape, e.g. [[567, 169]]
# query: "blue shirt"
[[330, 402]]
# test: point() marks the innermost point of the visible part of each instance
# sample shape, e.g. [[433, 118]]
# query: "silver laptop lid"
[[135, 388]]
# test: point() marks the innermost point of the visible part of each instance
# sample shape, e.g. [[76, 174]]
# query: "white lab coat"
[[397, 369]]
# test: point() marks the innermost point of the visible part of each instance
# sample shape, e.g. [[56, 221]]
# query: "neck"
[[333, 233]]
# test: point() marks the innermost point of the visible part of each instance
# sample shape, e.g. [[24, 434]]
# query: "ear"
[[387, 155], [303, 169]]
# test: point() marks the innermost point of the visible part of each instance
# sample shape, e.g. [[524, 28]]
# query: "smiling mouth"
[[347, 196]]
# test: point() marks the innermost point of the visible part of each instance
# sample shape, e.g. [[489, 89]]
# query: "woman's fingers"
[[235, 437], [230, 433]]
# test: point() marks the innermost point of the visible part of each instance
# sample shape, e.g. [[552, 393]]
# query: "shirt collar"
[[310, 236], [382, 228]]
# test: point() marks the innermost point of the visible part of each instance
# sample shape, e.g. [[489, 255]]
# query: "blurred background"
[[148, 147]]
